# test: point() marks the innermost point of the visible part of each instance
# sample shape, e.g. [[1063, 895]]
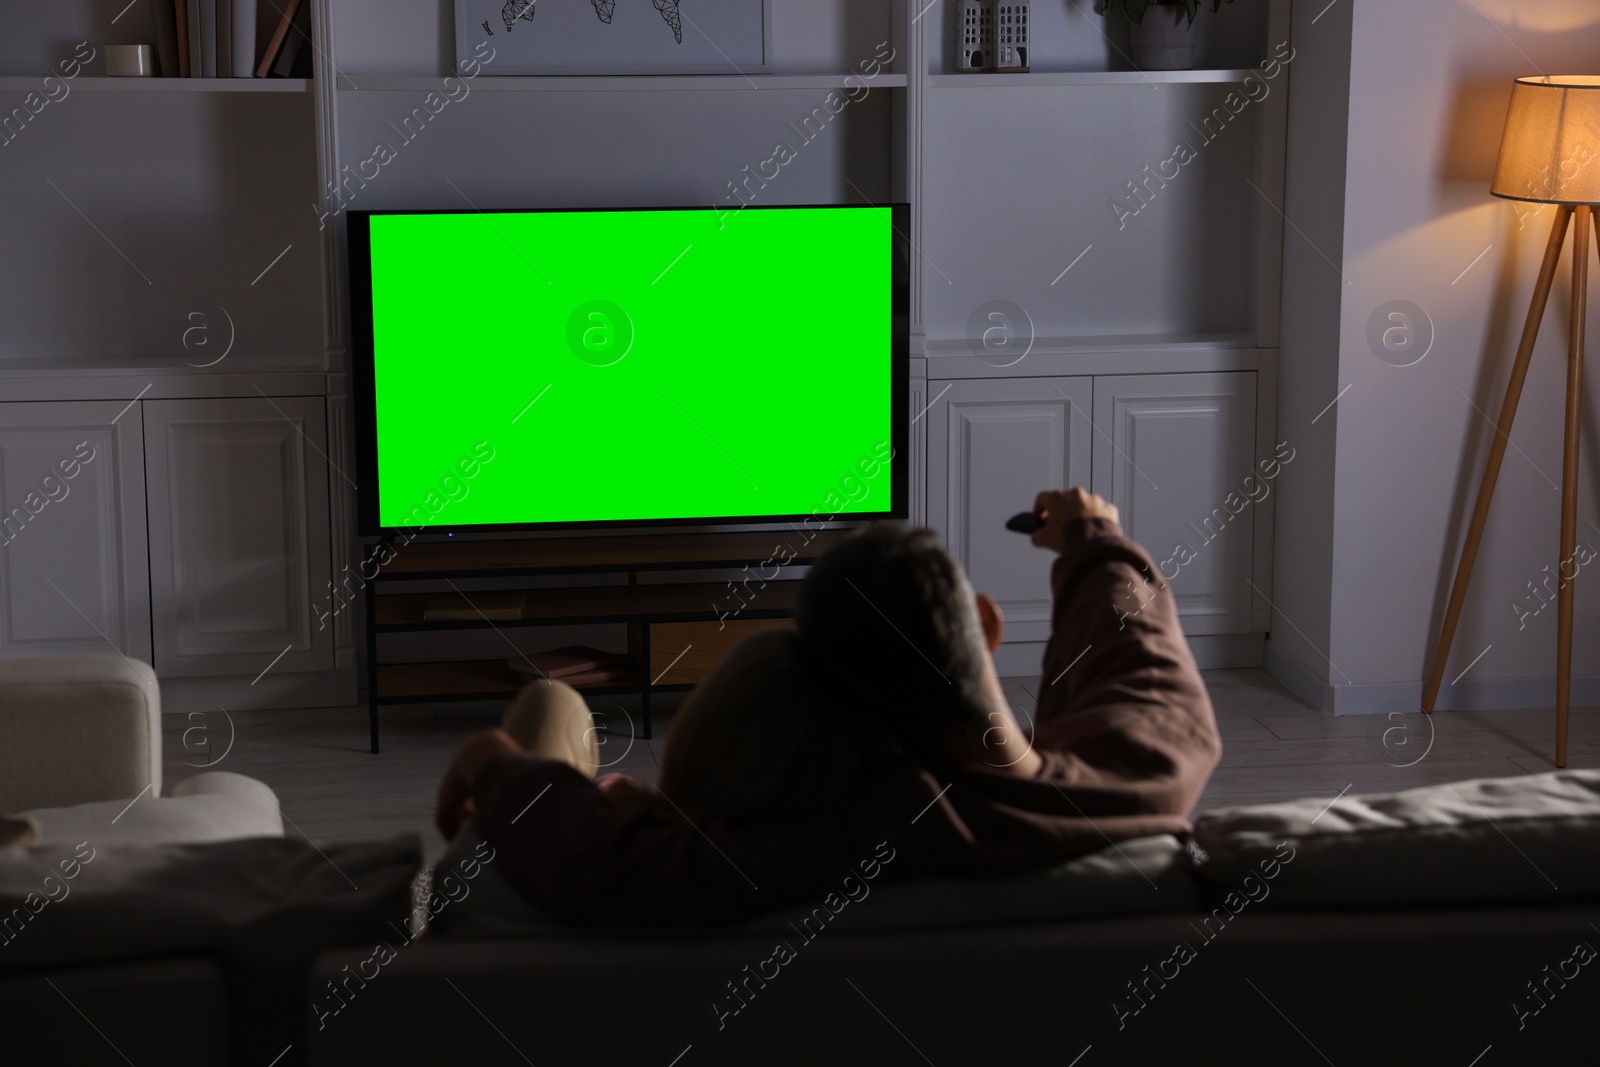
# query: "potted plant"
[[1161, 31]]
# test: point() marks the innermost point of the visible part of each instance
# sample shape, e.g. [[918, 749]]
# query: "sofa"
[[1449, 924]]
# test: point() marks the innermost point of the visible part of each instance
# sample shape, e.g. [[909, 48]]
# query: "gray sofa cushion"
[[264, 907], [1151, 875], [1527, 838], [133, 1002], [268, 897]]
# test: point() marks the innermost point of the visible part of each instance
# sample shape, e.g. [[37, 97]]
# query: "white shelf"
[[388, 83], [1088, 77], [940, 347], [158, 366], [1122, 354], [163, 379], [164, 85]]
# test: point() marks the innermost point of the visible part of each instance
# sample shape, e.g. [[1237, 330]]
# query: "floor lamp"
[[1549, 154]]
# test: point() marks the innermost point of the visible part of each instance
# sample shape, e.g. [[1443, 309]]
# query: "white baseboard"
[[1315, 693], [1483, 694], [1380, 698], [1226, 652], [325, 689]]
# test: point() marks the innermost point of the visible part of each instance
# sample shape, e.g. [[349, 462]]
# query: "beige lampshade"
[[1550, 152]]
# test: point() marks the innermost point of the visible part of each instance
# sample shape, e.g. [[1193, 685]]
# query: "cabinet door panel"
[[992, 446], [73, 560], [1180, 450], [239, 542]]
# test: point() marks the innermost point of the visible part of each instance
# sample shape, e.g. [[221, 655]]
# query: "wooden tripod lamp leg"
[[1569, 478], [1497, 452]]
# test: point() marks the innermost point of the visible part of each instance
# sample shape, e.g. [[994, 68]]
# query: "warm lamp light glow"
[[1550, 152]]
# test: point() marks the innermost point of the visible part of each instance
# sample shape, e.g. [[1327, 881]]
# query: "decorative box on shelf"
[[993, 36], [1011, 37], [977, 35]]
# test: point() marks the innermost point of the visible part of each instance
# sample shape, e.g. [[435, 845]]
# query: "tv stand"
[[675, 632]]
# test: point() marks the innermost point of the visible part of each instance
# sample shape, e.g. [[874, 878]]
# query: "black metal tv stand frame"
[[665, 622]]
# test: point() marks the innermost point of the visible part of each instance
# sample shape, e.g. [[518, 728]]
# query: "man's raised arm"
[[1123, 721]]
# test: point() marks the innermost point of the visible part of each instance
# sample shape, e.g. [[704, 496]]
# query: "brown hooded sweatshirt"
[[1123, 723]]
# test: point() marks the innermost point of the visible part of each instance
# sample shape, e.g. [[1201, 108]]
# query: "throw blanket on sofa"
[[1123, 723]]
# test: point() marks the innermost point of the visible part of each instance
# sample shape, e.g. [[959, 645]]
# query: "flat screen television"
[[545, 369]]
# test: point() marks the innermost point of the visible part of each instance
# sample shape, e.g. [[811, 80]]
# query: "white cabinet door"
[[993, 444], [1178, 464], [239, 540], [73, 561]]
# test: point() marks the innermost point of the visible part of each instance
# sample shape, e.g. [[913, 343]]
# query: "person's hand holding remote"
[[1056, 508]]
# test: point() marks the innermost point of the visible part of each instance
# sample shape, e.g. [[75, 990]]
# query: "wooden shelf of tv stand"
[[605, 554], [678, 602]]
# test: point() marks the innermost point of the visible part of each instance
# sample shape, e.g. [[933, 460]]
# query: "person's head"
[[753, 740], [890, 619]]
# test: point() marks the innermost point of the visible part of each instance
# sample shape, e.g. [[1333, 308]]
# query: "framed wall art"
[[614, 36]]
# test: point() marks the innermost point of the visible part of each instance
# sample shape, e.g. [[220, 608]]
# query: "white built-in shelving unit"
[[132, 205]]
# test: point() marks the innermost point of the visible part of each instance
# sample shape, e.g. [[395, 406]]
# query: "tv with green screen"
[[525, 369]]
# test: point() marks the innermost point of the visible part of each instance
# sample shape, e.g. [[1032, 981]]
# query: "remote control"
[[1024, 522]]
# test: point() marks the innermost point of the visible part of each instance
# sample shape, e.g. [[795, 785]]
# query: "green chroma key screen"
[[627, 366]]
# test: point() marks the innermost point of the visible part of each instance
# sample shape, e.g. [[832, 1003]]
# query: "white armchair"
[[80, 754]]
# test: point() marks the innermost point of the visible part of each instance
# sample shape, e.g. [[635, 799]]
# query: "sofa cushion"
[[91, 902], [1148, 875], [1526, 838], [218, 806], [133, 1001], [263, 907], [77, 729]]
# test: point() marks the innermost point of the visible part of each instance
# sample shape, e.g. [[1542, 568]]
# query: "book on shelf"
[[164, 14], [243, 18], [208, 38], [599, 677], [180, 21], [232, 38], [280, 33], [294, 58], [570, 663], [268, 12], [475, 607], [192, 20], [224, 38]]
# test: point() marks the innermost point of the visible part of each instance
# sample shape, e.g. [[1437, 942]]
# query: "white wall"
[[1308, 377], [1427, 92]]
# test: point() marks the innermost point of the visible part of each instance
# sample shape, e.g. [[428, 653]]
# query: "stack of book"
[[233, 38]]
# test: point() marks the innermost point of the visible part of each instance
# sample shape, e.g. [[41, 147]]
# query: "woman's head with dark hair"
[[892, 630]]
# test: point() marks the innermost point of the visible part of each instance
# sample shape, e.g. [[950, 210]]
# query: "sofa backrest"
[[1370, 988]]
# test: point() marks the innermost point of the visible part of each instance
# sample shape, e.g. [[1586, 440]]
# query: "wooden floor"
[[1274, 748]]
